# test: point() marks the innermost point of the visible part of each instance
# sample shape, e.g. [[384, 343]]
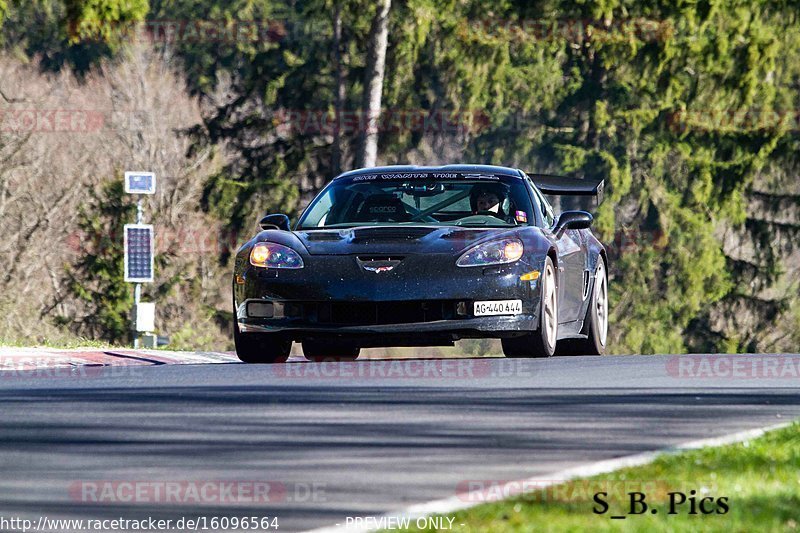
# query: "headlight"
[[492, 253], [273, 255]]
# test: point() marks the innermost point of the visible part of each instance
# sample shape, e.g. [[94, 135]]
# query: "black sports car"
[[422, 256]]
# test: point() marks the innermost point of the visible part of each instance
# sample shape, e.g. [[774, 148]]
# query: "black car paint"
[[426, 272]]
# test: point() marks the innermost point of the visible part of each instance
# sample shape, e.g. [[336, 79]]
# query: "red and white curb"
[[14, 359]]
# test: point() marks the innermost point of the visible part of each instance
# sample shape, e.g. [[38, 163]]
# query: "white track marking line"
[[460, 502]]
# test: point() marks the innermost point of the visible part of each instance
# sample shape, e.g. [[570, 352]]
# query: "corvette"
[[422, 256]]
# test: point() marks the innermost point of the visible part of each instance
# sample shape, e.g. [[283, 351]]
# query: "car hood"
[[394, 239]]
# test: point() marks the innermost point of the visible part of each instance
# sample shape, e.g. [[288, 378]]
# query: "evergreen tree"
[[76, 33], [97, 279], [686, 110]]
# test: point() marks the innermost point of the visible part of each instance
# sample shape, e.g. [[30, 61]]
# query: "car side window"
[[319, 212], [537, 211], [544, 206]]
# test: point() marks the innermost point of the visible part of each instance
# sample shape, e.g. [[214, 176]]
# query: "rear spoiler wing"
[[563, 186]]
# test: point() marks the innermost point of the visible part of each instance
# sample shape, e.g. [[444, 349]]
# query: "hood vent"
[[390, 234], [323, 236], [462, 234]]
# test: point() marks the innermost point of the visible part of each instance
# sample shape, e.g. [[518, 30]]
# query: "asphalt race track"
[[333, 440]]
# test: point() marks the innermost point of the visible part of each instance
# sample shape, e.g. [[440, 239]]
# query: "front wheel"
[[542, 342], [263, 348]]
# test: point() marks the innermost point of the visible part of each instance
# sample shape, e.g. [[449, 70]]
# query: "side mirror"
[[280, 222], [572, 220]]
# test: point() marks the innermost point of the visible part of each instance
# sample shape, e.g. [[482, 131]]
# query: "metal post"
[[137, 295], [137, 287]]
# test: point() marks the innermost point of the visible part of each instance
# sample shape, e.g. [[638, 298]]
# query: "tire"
[[261, 348], [595, 327], [330, 350], [542, 342]]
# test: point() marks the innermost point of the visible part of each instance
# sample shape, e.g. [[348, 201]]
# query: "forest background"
[[689, 111]]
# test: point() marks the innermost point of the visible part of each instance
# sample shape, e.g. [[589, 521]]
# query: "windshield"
[[381, 199]]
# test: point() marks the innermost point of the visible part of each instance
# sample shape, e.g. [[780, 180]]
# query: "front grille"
[[375, 313]]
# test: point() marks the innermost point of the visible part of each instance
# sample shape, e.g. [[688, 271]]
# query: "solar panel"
[[140, 182], [139, 253]]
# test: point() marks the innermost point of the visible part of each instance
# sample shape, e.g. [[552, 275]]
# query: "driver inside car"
[[483, 199]]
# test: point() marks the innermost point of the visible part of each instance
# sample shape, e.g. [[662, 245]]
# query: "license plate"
[[498, 307]]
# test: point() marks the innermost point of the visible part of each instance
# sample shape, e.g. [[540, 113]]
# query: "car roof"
[[471, 169]]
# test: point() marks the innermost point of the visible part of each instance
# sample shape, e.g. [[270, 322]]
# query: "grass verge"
[[759, 478], [62, 343]]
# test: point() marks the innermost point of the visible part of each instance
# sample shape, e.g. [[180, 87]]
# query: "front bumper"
[[453, 329], [427, 299]]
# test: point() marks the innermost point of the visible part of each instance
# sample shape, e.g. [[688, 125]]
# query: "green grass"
[[63, 343], [760, 478]]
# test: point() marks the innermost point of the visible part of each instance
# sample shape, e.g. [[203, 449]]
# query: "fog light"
[[260, 310]]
